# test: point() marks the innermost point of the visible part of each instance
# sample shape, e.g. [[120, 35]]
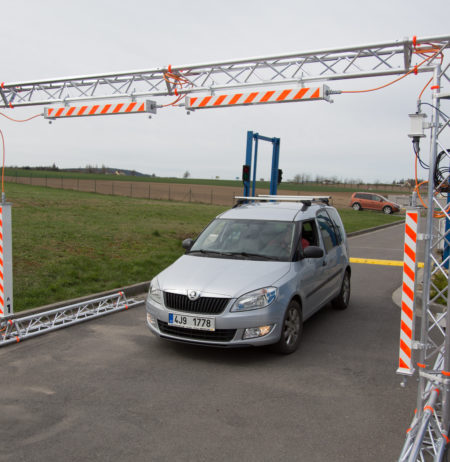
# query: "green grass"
[[310, 187], [355, 221], [68, 244]]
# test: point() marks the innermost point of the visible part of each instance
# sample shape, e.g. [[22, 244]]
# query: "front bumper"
[[229, 326]]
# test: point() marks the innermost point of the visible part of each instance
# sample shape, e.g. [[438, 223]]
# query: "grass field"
[[68, 244], [311, 187]]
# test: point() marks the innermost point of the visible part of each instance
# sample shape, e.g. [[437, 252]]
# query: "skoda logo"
[[193, 295]]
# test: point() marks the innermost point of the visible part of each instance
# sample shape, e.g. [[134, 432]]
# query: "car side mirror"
[[313, 251], [187, 243]]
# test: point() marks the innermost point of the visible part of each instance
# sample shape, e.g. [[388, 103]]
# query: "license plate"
[[192, 322]]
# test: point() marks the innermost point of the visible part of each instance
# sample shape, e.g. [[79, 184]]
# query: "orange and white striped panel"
[[408, 291], [257, 97], [98, 109], [2, 285]]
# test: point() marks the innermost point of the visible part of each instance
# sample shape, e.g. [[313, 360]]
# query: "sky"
[[358, 136]]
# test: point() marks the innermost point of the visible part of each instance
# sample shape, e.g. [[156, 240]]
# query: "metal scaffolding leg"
[[427, 436], [17, 329]]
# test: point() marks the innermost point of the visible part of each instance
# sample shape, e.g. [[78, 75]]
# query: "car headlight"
[[155, 293], [254, 300]]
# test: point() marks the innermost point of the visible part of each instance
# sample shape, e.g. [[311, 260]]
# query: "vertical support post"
[[405, 366], [248, 160], [446, 253], [275, 161], [428, 240], [255, 163], [6, 272]]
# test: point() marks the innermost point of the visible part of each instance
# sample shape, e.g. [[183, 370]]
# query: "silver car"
[[253, 276]]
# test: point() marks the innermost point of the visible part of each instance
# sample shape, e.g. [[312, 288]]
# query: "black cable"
[[441, 174], [434, 107], [416, 152]]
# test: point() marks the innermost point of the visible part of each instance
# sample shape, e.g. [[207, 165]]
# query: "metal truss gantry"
[[15, 329], [427, 436], [382, 59]]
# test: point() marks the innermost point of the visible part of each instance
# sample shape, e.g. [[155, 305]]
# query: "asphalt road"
[[108, 390]]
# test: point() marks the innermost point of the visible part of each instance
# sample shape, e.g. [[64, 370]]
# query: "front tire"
[[291, 331], [387, 210], [356, 206], [342, 300]]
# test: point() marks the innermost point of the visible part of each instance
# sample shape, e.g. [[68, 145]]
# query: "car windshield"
[[246, 239]]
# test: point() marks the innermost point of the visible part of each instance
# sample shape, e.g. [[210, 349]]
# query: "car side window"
[[327, 230], [308, 234], [337, 222]]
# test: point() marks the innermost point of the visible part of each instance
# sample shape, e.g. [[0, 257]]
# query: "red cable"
[[16, 120]]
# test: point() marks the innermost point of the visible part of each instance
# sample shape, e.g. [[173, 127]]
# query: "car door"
[[333, 258], [364, 200], [310, 272]]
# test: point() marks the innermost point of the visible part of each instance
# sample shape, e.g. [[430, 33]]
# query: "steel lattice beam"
[[383, 59], [18, 328], [428, 434]]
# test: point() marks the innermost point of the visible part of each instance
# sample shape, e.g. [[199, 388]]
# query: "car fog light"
[[151, 319], [254, 332]]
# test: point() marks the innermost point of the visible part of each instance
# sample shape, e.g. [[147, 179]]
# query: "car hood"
[[220, 276]]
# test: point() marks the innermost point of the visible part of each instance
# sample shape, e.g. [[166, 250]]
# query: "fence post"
[[211, 196], [169, 192], [190, 194], [131, 189], [149, 191]]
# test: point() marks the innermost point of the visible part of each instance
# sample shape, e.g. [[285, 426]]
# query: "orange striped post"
[[405, 366], [6, 282], [66, 112], [258, 97]]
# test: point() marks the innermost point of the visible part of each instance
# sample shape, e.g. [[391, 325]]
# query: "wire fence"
[[217, 195]]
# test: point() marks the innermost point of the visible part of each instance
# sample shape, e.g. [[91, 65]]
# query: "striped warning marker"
[[408, 292], [99, 109], [258, 97], [2, 296]]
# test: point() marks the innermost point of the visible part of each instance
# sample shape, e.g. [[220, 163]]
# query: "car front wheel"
[[341, 301], [356, 206], [292, 329], [387, 210]]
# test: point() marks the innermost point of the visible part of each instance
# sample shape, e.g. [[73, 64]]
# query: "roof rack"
[[296, 198], [306, 200]]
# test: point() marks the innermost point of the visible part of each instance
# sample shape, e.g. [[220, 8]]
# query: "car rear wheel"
[[387, 209], [292, 329], [356, 206], [341, 301]]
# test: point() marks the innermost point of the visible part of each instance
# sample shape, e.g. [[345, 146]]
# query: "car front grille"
[[219, 335], [204, 305]]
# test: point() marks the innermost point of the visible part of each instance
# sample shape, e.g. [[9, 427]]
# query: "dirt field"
[[218, 195]]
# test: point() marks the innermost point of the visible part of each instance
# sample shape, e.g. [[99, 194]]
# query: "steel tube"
[[423, 426], [428, 245]]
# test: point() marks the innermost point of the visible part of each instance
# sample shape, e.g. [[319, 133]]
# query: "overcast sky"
[[358, 136]]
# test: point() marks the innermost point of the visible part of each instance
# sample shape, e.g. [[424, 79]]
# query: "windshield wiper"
[[249, 254], [215, 252]]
